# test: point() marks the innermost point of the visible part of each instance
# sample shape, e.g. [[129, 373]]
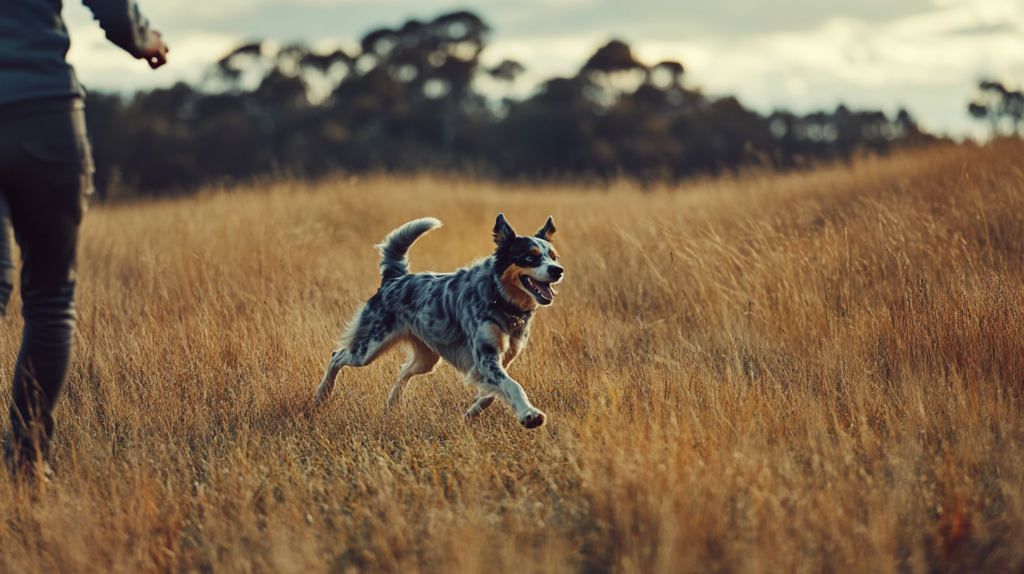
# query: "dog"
[[477, 318]]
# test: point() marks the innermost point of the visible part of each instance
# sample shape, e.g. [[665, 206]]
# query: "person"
[[45, 181]]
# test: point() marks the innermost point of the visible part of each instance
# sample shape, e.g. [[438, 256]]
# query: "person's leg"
[[8, 150], [46, 191], [6, 260]]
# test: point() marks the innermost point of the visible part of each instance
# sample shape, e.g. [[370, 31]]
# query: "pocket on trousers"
[[65, 160], [60, 151]]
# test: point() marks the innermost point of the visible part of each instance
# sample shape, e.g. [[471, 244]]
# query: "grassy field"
[[812, 372]]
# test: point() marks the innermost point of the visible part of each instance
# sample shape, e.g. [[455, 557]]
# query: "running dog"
[[477, 318]]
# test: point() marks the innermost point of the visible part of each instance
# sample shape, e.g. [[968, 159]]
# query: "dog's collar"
[[516, 316]]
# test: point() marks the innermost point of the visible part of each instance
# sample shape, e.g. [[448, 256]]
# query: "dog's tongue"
[[545, 289]]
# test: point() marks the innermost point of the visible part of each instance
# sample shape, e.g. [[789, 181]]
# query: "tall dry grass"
[[815, 372]]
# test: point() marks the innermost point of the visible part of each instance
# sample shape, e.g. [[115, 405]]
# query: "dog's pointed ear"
[[503, 231], [548, 231]]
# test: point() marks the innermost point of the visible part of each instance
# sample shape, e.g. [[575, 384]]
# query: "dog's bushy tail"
[[393, 260]]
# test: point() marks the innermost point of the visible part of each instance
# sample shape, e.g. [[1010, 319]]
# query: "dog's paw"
[[323, 392], [473, 413], [320, 399], [533, 420], [478, 407]]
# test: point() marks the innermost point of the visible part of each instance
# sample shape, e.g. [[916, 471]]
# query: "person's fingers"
[[156, 60], [156, 50]]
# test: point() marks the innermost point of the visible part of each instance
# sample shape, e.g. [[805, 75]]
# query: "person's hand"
[[155, 52]]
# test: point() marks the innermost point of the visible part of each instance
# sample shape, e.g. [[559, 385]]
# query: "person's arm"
[[129, 29]]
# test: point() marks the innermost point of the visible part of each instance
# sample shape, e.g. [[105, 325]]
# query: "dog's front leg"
[[487, 355], [529, 416]]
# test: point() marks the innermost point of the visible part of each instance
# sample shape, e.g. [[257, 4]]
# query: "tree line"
[[408, 100], [1000, 106]]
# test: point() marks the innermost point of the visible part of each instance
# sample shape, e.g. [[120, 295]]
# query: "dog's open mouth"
[[541, 291]]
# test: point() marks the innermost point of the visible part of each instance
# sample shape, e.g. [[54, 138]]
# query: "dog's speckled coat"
[[477, 318]]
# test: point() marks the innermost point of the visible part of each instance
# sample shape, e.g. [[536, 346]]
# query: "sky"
[[802, 55]]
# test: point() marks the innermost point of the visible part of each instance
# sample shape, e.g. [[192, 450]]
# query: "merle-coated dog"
[[477, 318]]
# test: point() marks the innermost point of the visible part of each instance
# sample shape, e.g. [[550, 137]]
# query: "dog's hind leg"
[[339, 359], [366, 338], [478, 407], [422, 360], [361, 357]]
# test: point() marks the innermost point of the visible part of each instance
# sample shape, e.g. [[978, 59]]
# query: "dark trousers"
[[45, 180]]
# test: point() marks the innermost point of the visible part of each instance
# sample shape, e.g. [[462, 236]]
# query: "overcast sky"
[[802, 55]]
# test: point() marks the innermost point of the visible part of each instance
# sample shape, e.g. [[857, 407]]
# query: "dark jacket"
[[33, 43]]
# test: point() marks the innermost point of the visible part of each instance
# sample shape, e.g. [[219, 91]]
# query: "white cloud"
[[928, 61], [205, 10], [917, 50], [544, 58], [102, 65]]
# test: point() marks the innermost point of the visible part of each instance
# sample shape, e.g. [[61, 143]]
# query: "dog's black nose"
[[555, 272]]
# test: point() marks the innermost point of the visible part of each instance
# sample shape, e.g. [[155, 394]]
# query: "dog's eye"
[[529, 259]]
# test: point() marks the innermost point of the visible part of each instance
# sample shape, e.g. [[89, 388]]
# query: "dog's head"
[[526, 266]]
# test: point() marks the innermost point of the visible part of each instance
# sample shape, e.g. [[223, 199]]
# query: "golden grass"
[[816, 372]]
